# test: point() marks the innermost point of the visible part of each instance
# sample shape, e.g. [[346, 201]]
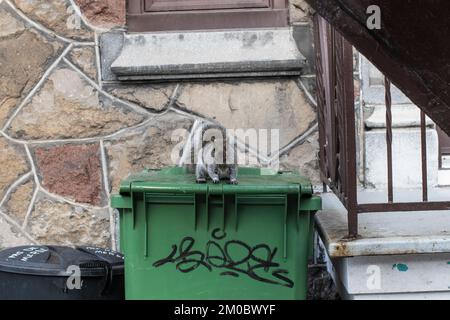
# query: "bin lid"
[[58, 260], [251, 180]]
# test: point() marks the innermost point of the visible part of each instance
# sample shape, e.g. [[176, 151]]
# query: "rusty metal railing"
[[337, 130]]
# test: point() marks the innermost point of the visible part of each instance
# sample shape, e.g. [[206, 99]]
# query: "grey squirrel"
[[216, 155]]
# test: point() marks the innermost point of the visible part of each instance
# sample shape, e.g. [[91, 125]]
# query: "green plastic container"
[[184, 240]]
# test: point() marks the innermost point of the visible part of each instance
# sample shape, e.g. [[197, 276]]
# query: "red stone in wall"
[[72, 171], [104, 13]]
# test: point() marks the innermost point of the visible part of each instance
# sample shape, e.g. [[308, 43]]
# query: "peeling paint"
[[400, 267]]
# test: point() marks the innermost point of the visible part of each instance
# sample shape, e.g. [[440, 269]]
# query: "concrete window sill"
[[208, 54]]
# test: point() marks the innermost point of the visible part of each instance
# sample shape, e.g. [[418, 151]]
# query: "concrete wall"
[[67, 139]]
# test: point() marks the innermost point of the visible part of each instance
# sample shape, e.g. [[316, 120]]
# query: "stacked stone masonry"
[[67, 138]]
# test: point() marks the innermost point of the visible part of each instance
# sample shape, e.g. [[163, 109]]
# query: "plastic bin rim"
[[58, 272], [147, 181]]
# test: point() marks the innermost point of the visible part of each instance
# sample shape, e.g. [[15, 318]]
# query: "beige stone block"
[[10, 236], [55, 223], [148, 147], [9, 25], [85, 59], [304, 159], [155, 97], [56, 15], [271, 104], [17, 205], [13, 164], [20, 70], [69, 107]]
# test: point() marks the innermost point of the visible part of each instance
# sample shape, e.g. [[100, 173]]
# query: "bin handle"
[[108, 277]]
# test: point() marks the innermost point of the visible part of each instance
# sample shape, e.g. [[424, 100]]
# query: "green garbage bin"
[[184, 240]]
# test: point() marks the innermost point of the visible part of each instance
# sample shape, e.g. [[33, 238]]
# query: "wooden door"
[[169, 15], [183, 5]]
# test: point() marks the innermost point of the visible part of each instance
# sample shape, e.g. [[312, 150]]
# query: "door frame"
[[140, 20], [189, 5]]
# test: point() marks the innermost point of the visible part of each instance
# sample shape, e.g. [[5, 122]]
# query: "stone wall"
[[67, 138]]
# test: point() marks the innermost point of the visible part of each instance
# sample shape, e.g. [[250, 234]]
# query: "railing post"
[[423, 138], [388, 103], [336, 116], [320, 89], [350, 138]]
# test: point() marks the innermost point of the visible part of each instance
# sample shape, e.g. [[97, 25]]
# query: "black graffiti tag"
[[256, 262]]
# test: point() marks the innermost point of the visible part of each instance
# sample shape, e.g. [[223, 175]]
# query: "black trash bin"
[[61, 273]]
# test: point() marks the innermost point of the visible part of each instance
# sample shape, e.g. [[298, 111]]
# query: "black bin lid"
[[56, 260]]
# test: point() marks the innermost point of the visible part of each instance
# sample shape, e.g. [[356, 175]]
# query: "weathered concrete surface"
[[148, 147], [73, 171], [17, 205], [56, 15], [103, 13], [184, 54], [85, 59], [372, 86], [110, 47], [406, 160], [393, 277], [304, 37], [68, 107], [270, 104], [403, 116], [13, 164], [55, 223], [156, 98]]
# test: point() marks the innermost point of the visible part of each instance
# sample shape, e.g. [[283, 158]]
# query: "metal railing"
[[337, 130]]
